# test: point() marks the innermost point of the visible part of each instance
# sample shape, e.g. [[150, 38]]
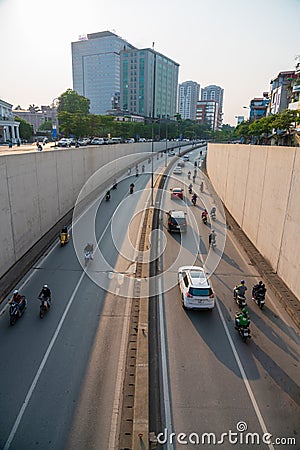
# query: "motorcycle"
[[201, 186], [44, 306], [204, 219], [258, 298], [87, 257], [194, 200], [244, 332], [213, 244], [64, 238], [16, 310], [213, 215], [239, 299], [131, 189], [107, 197], [115, 186]]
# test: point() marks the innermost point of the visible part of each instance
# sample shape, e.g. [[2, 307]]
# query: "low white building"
[[9, 128]]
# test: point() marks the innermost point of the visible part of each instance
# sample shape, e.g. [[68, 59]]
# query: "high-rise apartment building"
[[207, 112], [188, 95], [215, 93], [149, 83], [96, 69]]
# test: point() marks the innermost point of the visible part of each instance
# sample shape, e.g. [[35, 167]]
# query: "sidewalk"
[[5, 150]]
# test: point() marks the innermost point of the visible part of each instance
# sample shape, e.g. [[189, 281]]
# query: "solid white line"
[[163, 344], [244, 376], [119, 381]]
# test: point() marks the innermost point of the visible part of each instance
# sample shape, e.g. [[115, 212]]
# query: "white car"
[[196, 292], [177, 171], [186, 158]]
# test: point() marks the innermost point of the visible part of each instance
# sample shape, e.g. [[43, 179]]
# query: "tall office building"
[[188, 95], [215, 93], [149, 83], [96, 69]]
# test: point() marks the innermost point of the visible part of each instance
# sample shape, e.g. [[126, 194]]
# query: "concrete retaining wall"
[[260, 186], [38, 188]]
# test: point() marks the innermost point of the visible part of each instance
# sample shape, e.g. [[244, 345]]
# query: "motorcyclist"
[[189, 174], [190, 188], [213, 211], [45, 294], [204, 214], [212, 237], [240, 289], [259, 289], [107, 195], [64, 230], [201, 186], [143, 168], [89, 248], [194, 198], [131, 187], [242, 319], [115, 184], [19, 300]]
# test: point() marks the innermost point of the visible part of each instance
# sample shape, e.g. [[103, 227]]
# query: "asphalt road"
[[213, 382], [60, 382], [58, 379]]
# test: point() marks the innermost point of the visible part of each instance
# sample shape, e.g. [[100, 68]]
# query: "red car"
[[177, 193]]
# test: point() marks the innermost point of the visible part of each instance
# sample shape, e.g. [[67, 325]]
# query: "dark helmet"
[[242, 281], [260, 283]]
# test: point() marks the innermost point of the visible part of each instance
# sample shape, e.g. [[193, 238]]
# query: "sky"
[[239, 45]]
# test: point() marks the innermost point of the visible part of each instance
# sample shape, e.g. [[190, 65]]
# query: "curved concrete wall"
[[38, 188], [260, 186]]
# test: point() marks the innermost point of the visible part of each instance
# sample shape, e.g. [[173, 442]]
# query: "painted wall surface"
[[38, 188], [260, 187]]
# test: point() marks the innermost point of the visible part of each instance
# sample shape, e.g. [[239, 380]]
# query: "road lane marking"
[[164, 366], [119, 381], [244, 376]]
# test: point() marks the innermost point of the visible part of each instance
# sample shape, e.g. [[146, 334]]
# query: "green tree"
[[25, 129], [45, 126], [71, 102]]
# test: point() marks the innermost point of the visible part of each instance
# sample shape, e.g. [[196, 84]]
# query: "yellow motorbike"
[[64, 238]]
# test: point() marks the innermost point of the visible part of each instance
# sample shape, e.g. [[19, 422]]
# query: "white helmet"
[[45, 286], [16, 291]]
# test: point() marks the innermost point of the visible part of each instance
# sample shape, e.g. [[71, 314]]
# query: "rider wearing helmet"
[[204, 214], [45, 294], [240, 289], [212, 237], [18, 299], [242, 319], [89, 248], [260, 289]]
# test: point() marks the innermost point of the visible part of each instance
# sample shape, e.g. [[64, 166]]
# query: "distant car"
[[180, 164], [196, 292], [186, 158], [64, 142], [129, 140], [171, 153], [177, 221], [142, 140], [177, 171], [97, 141], [177, 193]]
